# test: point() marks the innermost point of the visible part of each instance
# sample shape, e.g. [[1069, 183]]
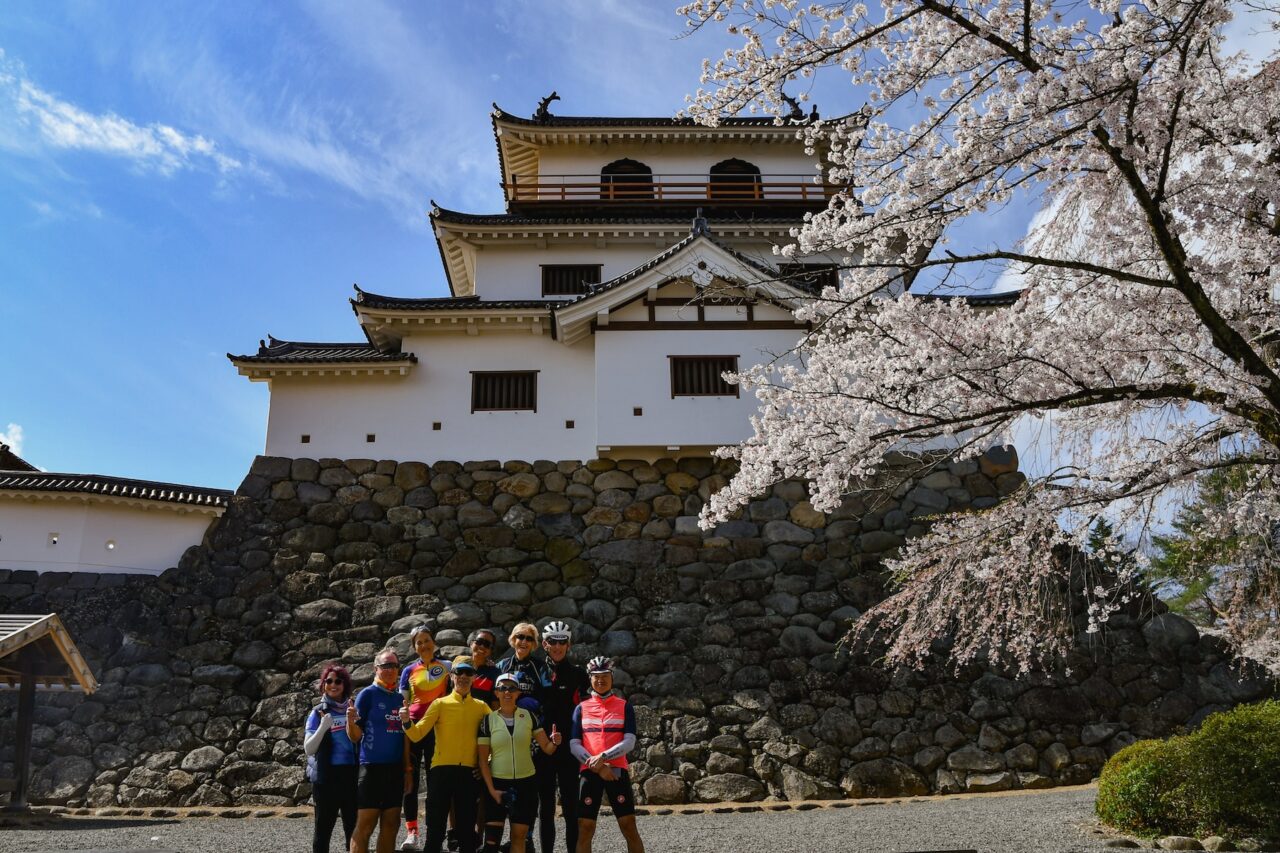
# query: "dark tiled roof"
[[499, 114], [274, 351], [459, 218], [10, 461], [1005, 298], [699, 230], [119, 487], [447, 303]]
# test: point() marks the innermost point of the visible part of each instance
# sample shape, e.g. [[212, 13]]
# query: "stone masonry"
[[726, 640]]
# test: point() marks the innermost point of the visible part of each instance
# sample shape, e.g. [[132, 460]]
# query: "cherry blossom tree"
[[1147, 322]]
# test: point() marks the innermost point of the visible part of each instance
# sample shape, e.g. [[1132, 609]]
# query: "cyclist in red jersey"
[[604, 731]]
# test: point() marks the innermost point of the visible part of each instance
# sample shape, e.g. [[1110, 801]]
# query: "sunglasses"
[[524, 638], [387, 665], [551, 642], [507, 688], [333, 681], [464, 673], [482, 643]]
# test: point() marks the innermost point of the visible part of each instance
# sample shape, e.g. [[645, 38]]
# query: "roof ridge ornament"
[[543, 114], [796, 113], [700, 226]]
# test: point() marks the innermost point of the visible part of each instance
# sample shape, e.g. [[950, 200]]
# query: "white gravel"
[[1038, 822]]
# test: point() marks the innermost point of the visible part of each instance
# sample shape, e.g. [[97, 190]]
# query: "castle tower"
[[633, 266]]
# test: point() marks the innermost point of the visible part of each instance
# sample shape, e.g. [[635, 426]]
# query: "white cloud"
[[13, 437], [60, 124]]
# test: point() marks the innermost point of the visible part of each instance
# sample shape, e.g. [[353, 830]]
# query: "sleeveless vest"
[[603, 725], [510, 755]]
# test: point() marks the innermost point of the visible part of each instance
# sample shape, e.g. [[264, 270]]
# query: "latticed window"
[[507, 391], [700, 375], [568, 279]]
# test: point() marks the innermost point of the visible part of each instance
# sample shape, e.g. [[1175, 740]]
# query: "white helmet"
[[557, 631]]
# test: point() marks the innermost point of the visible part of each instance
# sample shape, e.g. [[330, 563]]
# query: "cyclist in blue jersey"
[[373, 722]]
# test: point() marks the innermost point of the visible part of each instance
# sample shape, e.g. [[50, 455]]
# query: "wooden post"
[[26, 719]]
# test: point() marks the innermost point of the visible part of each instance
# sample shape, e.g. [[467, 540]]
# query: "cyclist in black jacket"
[[569, 687]]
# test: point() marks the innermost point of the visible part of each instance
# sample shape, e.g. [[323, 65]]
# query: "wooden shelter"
[[36, 653]]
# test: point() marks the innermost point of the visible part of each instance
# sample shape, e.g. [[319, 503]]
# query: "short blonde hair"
[[522, 628]]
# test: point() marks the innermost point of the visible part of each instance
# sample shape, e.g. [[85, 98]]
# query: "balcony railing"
[[660, 189]]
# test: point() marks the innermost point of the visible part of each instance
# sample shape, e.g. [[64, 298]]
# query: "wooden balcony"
[[620, 195]]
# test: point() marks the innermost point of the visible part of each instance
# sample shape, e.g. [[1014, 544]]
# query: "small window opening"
[[370, 438], [53, 539], [568, 279], [700, 375], [568, 424], [637, 412], [514, 391], [435, 426], [306, 439]]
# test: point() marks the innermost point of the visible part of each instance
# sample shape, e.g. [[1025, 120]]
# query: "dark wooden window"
[[568, 279], [435, 426], [735, 179], [568, 424], [370, 438], [507, 391], [626, 179], [811, 276], [306, 439], [699, 375]]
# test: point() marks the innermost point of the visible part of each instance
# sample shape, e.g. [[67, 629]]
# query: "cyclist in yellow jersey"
[[455, 720], [506, 763]]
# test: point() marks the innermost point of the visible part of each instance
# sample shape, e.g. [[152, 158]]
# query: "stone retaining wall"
[[725, 640]]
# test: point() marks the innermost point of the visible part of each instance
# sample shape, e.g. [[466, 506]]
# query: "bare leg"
[[586, 832], [631, 833], [366, 820], [388, 826], [519, 832]]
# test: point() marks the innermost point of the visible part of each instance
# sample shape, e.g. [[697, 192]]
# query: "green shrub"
[[1222, 779]]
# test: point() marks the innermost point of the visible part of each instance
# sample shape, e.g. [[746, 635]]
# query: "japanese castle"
[[634, 265]]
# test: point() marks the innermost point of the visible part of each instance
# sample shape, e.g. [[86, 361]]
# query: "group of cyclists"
[[497, 741]]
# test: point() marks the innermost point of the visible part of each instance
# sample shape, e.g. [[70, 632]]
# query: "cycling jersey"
[[456, 721], [533, 668], [509, 745], [569, 687], [378, 711], [601, 723], [427, 681], [482, 684]]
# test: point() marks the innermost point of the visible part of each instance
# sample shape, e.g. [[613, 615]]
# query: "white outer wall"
[[609, 373], [148, 540], [642, 358], [515, 272], [399, 411]]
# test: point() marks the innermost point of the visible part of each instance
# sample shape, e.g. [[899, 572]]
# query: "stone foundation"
[[726, 641]]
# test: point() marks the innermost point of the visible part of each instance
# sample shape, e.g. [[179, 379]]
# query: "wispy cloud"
[[60, 124], [13, 437]]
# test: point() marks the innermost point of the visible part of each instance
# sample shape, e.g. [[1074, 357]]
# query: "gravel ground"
[[1039, 822]]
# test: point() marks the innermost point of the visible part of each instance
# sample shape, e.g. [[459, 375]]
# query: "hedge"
[[1223, 779]]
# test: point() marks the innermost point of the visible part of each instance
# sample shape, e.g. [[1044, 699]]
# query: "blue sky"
[[178, 180]]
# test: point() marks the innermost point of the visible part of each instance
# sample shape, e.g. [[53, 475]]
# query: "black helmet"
[[599, 665]]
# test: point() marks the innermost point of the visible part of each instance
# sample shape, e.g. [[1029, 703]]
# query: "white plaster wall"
[[147, 540], [399, 411], [515, 272], [632, 369]]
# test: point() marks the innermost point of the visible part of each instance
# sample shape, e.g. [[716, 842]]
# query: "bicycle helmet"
[[557, 631], [599, 665]]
